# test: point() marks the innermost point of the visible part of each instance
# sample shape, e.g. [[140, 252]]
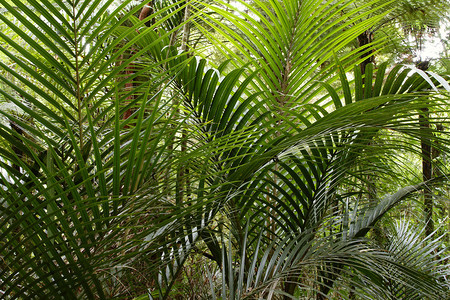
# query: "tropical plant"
[[135, 153]]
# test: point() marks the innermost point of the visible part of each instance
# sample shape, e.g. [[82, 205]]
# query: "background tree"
[[276, 143]]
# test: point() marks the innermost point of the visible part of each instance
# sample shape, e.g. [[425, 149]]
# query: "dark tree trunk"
[[365, 39], [146, 11], [427, 169]]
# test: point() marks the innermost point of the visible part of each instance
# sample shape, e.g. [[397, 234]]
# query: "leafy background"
[[176, 149]]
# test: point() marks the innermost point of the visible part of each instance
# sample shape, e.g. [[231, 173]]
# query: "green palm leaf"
[[132, 156]]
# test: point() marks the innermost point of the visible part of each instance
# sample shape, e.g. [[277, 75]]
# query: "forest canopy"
[[257, 149]]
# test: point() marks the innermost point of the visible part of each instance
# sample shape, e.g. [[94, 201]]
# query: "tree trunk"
[[365, 39], [146, 11], [427, 169]]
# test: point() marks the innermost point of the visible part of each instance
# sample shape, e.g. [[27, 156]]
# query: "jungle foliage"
[[135, 165]]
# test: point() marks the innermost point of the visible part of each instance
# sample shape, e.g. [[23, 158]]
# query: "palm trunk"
[[427, 169], [365, 39], [146, 11], [186, 27]]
